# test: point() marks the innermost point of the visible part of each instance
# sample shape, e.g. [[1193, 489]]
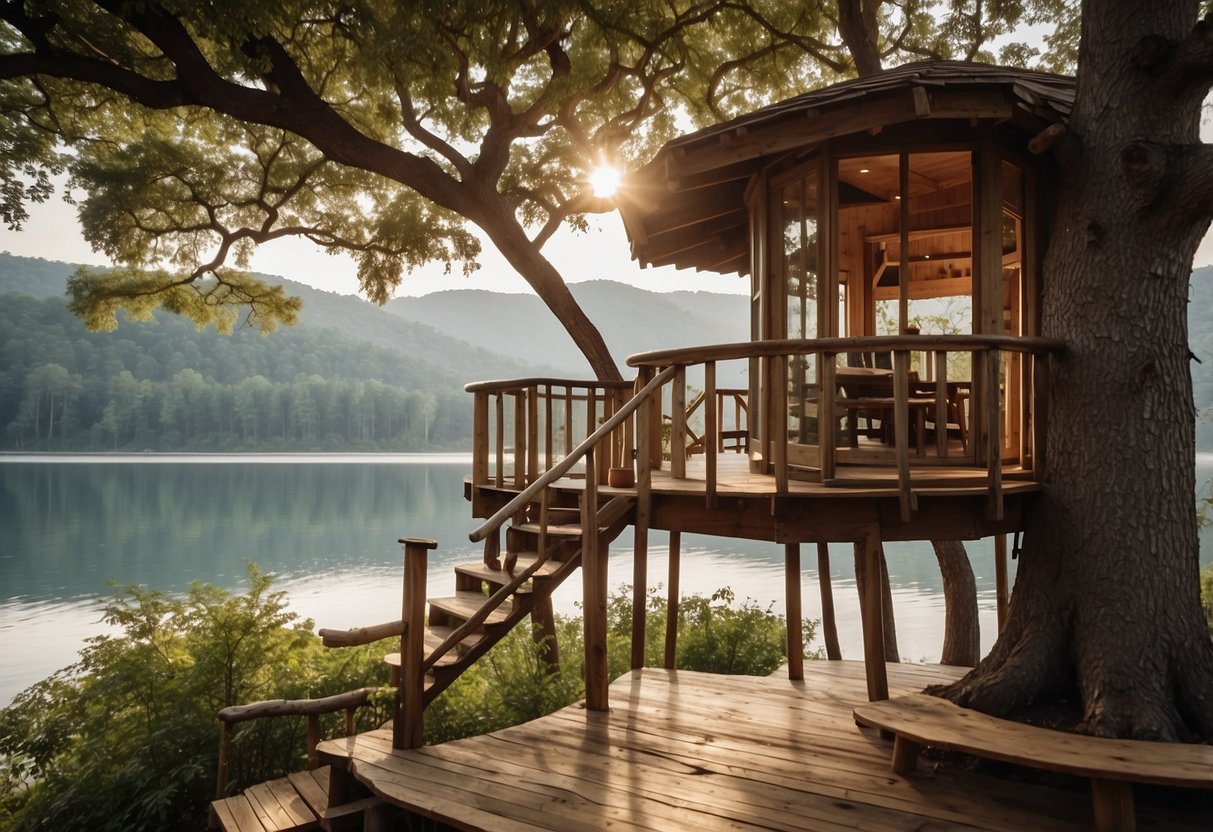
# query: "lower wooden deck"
[[691, 751]]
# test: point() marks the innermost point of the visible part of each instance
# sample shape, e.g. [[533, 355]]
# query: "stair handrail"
[[527, 495]]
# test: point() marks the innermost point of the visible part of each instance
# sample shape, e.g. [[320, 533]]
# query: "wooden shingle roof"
[[686, 207]]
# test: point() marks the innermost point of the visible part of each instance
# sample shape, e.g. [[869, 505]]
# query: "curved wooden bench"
[[918, 720]]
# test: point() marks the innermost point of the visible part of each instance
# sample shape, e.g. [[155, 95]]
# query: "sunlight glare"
[[604, 179]]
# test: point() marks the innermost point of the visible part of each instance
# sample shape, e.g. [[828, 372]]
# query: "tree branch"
[[1183, 66]]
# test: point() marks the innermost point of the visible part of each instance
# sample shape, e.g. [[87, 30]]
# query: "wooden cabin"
[[892, 230]]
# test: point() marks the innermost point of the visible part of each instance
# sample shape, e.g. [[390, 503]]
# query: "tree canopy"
[[196, 131]]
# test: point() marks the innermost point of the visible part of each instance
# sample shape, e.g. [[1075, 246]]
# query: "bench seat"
[[1113, 765]]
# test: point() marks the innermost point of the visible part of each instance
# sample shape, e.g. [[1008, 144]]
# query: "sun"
[[604, 180]]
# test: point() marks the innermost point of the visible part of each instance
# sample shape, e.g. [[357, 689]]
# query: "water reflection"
[[329, 528]]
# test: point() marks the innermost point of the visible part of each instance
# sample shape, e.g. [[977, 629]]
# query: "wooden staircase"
[[492, 597]]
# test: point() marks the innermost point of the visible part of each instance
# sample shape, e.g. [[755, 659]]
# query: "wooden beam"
[[795, 613], [829, 626]]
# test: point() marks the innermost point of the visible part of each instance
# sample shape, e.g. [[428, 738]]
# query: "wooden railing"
[[522, 427], [735, 438], [990, 390], [313, 709]]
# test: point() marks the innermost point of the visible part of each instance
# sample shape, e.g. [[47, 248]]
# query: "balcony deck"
[[684, 750]]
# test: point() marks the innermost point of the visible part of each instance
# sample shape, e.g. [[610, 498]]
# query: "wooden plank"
[[236, 814], [277, 807], [794, 617], [672, 598], [873, 618], [312, 786], [938, 723]]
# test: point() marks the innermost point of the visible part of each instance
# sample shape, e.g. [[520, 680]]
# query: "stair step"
[[554, 529], [465, 604], [313, 787], [434, 636], [499, 577]]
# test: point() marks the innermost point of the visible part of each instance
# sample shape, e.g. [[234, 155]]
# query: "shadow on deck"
[[686, 750]]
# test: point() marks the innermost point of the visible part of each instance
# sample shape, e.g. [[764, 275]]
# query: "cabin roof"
[[686, 207]]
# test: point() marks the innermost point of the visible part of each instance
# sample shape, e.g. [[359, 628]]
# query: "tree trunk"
[[858, 27], [961, 631], [505, 233], [1106, 610]]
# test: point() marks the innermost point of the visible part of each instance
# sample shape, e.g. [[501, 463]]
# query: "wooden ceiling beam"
[[708, 206], [681, 239]]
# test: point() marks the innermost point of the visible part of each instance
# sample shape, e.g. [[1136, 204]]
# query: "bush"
[[127, 737]]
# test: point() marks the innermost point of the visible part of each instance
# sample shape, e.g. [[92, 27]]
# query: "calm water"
[[328, 526]]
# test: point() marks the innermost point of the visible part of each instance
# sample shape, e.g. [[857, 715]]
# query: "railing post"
[[678, 425], [711, 431], [594, 592], [480, 438], [901, 430], [1040, 413], [532, 434], [520, 434], [941, 404], [499, 469], [313, 739], [407, 720], [993, 405], [827, 422], [548, 449], [777, 435], [225, 755]]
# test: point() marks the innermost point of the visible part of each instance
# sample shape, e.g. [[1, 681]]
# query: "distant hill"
[[631, 320]]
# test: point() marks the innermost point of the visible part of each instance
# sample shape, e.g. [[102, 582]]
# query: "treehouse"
[[895, 388]]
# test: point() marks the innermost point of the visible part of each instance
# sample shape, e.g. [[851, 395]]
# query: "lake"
[[327, 525]]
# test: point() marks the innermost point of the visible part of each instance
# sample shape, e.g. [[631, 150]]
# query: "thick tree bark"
[[1106, 609], [860, 31], [961, 631], [543, 277]]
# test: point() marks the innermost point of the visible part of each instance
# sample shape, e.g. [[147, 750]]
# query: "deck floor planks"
[[684, 750], [278, 808]]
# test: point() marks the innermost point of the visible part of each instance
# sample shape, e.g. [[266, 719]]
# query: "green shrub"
[[127, 737]]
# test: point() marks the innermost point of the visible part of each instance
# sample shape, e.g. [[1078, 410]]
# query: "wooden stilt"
[[873, 618], [543, 630], [671, 615], [1002, 586], [594, 594], [829, 626], [791, 571], [407, 723]]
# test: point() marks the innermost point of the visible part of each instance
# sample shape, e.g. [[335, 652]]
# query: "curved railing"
[[1008, 376]]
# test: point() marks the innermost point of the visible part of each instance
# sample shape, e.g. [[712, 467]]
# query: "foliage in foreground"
[[127, 737]]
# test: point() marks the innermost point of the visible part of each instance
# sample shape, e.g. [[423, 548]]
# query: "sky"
[[53, 233], [602, 252]]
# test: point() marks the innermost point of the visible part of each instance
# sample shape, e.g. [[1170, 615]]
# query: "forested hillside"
[[350, 376]]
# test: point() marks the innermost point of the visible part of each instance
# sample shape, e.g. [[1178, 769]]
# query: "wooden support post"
[[499, 469], [640, 551], [543, 631], [993, 405], [532, 434], [1113, 804], [520, 436], [905, 755], [492, 549], [480, 439], [711, 432], [873, 618], [827, 421], [548, 438], [594, 594], [795, 612], [777, 436], [225, 755], [829, 626], [678, 425], [941, 404], [407, 723], [671, 613], [313, 740], [901, 432], [1002, 587]]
